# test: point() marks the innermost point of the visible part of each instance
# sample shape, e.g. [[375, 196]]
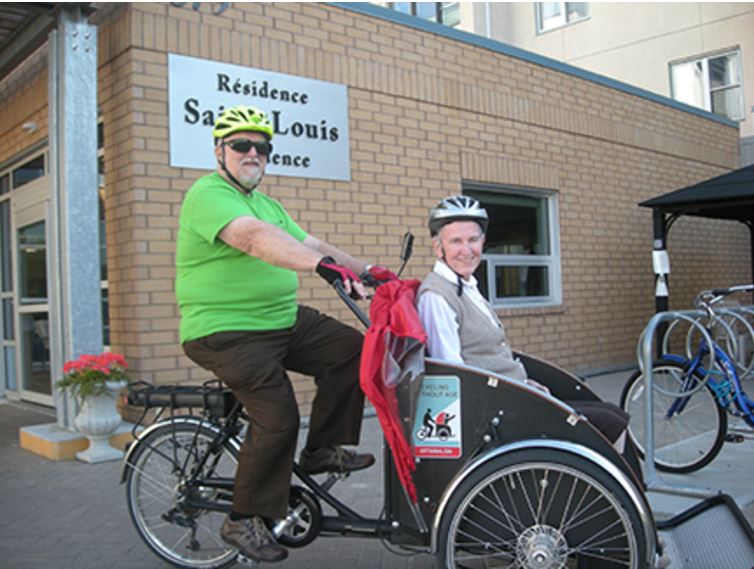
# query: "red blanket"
[[394, 337]]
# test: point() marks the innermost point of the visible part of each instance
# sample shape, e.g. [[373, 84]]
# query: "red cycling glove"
[[332, 272], [375, 276]]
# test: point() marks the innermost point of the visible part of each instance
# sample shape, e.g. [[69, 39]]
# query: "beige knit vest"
[[483, 344]]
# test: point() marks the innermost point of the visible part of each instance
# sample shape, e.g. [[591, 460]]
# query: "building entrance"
[[32, 309], [24, 238]]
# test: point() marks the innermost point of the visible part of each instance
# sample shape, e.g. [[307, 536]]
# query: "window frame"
[[440, 9], [562, 22], [551, 261], [706, 84]]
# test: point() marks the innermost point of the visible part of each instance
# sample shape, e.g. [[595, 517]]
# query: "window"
[[451, 14], [32, 263], [447, 13], [102, 240], [712, 83], [521, 258], [29, 172], [551, 15]]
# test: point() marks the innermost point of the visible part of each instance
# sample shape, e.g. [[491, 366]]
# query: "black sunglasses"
[[243, 145]]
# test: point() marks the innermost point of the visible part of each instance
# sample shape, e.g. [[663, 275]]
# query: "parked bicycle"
[[693, 394]]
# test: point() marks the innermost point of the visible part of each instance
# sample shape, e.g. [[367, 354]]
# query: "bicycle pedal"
[[732, 438], [245, 561], [333, 478]]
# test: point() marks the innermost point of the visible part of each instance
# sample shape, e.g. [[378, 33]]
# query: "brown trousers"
[[253, 365]]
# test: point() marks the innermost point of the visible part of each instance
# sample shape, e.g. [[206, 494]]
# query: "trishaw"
[[519, 479]]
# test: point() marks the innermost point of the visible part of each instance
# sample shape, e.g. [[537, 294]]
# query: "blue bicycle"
[[693, 395]]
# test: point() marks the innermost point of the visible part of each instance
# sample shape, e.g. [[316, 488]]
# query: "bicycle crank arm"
[[219, 483], [293, 517], [207, 505]]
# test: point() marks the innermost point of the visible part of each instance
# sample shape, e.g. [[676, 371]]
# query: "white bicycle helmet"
[[457, 208]]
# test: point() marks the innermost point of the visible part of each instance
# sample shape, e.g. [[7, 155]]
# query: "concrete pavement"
[[72, 515]]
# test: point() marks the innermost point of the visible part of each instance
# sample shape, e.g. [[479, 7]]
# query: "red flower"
[[87, 375]]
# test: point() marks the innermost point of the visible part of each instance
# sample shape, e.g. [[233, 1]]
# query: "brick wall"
[[24, 96], [426, 112]]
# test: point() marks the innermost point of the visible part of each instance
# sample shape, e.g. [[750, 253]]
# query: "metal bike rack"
[[646, 359], [687, 534]]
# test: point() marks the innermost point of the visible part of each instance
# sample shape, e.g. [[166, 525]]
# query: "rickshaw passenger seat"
[[561, 383]]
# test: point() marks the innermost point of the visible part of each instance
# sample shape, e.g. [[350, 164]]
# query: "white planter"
[[98, 418]]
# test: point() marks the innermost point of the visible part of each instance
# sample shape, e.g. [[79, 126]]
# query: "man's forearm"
[[341, 257], [270, 244]]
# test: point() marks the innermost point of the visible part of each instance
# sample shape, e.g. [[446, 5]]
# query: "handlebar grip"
[[351, 303], [731, 290]]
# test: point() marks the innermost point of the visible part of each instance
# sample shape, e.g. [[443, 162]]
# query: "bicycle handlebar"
[[731, 290], [370, 281], [351, 303], [707, 298]]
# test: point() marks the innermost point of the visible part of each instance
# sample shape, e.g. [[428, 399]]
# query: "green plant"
[[87, 375]]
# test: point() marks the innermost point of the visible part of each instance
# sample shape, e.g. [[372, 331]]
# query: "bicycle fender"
[[139, 442]]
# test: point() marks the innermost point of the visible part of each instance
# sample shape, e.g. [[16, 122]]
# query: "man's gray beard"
[[250, 182]]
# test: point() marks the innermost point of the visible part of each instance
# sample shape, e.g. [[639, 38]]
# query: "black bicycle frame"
[[347, 522]]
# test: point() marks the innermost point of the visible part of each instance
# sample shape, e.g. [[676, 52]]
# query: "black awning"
[[730, 196]]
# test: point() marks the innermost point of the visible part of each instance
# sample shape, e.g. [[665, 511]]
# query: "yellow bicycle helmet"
[[242, 119]]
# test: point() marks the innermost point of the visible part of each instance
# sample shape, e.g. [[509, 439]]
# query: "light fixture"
[[30, 126]]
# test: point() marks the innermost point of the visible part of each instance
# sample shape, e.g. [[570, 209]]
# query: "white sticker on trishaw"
[[437, 427]]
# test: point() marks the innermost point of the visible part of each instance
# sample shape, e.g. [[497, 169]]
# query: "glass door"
[[33, 329]]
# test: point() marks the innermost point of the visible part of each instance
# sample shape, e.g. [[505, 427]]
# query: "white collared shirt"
[[439, 319]]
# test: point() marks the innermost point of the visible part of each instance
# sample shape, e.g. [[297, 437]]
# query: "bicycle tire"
[[747, 313], [708, 362], [686, 441], [154, 489], [541, 508], [739, 343]]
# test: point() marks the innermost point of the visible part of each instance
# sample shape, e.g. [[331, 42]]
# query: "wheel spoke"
[[688, 430], [468, 521], [616, 556], [568, 515], [511, 524], [159, 500]]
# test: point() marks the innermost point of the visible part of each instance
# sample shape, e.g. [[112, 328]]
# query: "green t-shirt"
[[218, 287]]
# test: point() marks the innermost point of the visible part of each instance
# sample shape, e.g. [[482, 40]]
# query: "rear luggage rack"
[[215, 400]]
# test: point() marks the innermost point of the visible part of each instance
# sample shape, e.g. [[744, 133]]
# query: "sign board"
[[309, 117], [437, 427]]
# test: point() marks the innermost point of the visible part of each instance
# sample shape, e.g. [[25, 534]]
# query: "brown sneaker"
[[333, 459], [253, 539]]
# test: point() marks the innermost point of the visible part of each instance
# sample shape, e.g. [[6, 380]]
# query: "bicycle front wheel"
[[689, 430], [159, 484]]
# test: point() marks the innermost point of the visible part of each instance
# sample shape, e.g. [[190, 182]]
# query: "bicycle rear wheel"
[[689, 431], [158, 484]]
